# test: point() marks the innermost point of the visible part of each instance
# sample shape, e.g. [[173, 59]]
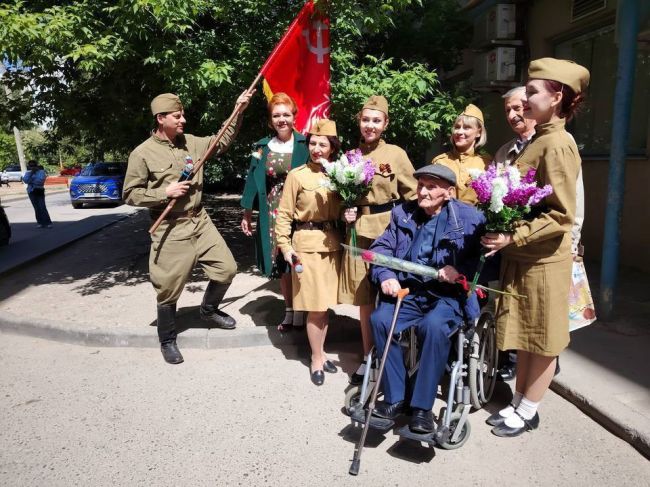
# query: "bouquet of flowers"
[[505, 196], [350, 176]]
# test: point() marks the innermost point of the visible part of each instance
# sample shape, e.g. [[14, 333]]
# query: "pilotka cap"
[[566, 72], [323, 126], [165, 103], [474, 111], [376, 102], [436, 171]]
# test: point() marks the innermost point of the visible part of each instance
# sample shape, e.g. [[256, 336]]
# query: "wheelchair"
[[472, 371]]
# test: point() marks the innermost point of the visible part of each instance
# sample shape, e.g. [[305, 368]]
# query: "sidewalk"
[[96, 292]]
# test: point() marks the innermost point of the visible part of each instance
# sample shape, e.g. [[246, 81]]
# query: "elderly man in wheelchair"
[[444, 233]]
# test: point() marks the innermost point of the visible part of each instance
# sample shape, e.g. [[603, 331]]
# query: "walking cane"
[[354, 468]]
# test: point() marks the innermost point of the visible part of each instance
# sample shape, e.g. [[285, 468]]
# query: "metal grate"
[[584, 8], [93, 188]]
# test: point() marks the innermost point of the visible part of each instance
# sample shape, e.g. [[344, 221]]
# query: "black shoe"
[[388, 411], [217, 318], [508, 371], [557, 366], [328, 366], [421, 421], [318, 377], [495, 420], [507, 432], [171, 353]]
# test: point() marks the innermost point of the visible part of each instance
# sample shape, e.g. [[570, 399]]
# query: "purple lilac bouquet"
[[349, 176], [505, 196]]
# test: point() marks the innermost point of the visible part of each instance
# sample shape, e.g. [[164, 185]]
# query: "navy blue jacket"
[[457, 243]]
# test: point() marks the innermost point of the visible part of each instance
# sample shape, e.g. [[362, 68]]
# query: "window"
[[592, 127]]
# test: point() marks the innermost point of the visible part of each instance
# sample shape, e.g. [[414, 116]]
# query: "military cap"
[[566, 72], [436, 171], [323, 127], [167, 102], [474, 111], [376, 102]]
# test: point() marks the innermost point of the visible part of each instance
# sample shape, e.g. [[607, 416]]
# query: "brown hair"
[[571, 101], [334, 142]]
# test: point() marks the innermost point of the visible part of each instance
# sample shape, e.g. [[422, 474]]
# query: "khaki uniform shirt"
[[306, 199], [554, 155], [393, 181], [461, 163], [156, 163]]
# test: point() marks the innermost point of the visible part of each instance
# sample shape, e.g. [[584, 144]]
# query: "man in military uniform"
[[187, 235]]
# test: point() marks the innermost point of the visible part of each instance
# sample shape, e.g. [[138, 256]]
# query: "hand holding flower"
[[495, 242], [350, 215]]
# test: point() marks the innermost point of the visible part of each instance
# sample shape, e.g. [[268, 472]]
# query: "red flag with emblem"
[[300, 66]]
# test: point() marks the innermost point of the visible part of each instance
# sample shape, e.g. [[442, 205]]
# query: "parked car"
[[5, 228], [11, 173], [99, 182], [71, 171]]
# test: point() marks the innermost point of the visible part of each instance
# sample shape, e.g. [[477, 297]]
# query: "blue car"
[[98, 182]]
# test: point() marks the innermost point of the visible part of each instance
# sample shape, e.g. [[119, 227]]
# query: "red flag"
[[300, 66]]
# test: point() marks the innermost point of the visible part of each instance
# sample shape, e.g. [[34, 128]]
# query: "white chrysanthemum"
[[499, 190], [474, 173], [514, 176]]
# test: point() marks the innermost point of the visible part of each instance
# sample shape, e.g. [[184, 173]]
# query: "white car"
[[11, 173]]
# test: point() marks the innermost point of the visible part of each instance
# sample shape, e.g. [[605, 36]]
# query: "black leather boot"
[[167, 333], [210, 306]]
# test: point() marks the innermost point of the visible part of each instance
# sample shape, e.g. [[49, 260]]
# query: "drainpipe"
[[627, 30]]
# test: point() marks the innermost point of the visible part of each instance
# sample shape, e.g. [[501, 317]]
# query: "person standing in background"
[[34, 178]]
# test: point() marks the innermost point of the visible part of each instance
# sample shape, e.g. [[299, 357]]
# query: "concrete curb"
[[17, 196], [145, 336], [610, 421]]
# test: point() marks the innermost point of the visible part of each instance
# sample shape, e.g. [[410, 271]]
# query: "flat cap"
[[566, 72], [436, 171], [323, 126], [167, 102], [376, 102], [473, 111]]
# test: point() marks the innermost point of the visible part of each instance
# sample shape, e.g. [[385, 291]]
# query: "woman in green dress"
[[272, 159]]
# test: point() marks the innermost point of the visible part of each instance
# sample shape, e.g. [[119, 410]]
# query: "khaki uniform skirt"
[[538, 323], [354, 287], [315, 288]]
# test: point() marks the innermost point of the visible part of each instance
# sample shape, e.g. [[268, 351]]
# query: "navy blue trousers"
[[435, 320], [40, 210]]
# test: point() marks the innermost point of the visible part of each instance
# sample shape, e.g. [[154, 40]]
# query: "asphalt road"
[[75, 415]]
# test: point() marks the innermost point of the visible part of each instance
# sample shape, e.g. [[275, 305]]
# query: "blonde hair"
[[474, 122]]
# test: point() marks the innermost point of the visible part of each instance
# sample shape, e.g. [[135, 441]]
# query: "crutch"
[[354, 468]]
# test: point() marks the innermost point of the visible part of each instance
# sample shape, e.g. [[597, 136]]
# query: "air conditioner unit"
[[496, 65], [498, 23]]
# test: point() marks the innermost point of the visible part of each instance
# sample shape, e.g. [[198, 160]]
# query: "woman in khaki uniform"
[[467, 136], [313, 212], [392, 184], [536, 257]]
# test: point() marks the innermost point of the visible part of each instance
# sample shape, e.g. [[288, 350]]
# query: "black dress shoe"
[[506, 431], [388, 411], [508, 372], [218, 318], [421, 421], [328, 366], [171, 353], [496, 419], [318, 377]]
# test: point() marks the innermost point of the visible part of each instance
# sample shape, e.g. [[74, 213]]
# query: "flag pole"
[[233, 115]]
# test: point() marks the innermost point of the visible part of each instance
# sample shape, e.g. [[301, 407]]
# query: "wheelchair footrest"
[[405, 432], [382, 424]]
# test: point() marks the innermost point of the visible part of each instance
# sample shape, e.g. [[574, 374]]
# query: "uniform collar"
[[549, 127], [367, 148], [463, 155], [178, 142]]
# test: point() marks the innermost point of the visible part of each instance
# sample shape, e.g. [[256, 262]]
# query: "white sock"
[[362, 368], [288, 316], [527, 408], [510, 409]]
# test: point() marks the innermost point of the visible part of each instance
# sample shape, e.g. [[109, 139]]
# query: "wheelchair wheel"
[[352, 399], [482, 371], [464, 434]]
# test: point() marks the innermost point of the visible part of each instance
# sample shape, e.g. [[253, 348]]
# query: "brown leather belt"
[[324, 226], [175, 215], [374, 209]]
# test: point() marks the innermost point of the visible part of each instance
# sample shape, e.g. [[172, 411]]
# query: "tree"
[[92, 66]]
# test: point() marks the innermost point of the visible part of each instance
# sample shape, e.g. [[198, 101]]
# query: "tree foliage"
[[90, 67]]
